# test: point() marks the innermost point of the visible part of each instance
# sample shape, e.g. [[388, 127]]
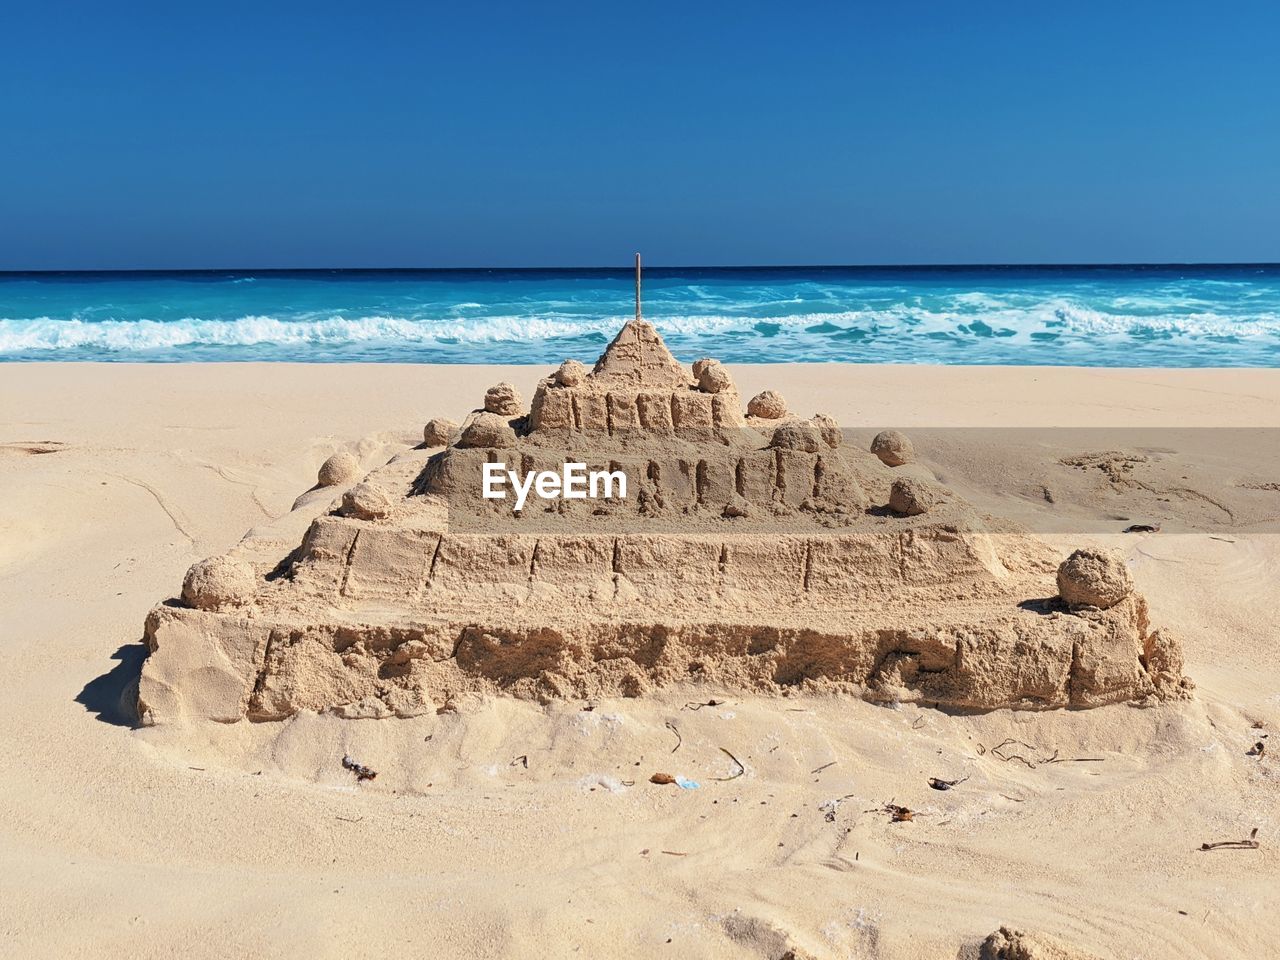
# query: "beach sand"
[[115, 840]]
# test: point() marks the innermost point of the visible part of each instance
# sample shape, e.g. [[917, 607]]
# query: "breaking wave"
[[49, 333]]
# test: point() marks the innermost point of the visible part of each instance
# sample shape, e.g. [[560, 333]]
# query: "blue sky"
[[141, 135]]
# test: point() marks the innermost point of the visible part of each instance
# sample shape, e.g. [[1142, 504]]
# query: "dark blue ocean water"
[[1179, 316]]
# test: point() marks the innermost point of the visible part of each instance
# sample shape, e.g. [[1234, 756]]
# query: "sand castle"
[[751, 552]]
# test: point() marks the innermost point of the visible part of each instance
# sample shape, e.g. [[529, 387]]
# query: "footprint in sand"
[[763, 938]]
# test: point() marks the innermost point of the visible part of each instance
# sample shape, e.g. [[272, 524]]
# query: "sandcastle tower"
[[637, 386]]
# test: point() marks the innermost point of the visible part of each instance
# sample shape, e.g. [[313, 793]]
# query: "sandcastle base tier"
[[228, 667]]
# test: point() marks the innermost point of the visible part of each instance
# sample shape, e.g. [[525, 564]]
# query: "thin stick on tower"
[[637, 286]]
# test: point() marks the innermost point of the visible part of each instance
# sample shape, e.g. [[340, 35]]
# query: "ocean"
[[1167, 316]]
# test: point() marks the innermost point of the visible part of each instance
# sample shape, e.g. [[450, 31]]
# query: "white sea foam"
[[46, 333], [1003, 315]]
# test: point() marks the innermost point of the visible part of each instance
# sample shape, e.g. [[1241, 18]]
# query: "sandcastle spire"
[[638, 354]]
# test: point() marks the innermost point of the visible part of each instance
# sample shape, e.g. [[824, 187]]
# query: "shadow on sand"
[[113, 697], [1044, 605]]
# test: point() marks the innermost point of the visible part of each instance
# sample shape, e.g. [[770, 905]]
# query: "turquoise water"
[[1091, 316]]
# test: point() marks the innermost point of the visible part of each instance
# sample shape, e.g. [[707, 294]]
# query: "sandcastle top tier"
[[637, 389]]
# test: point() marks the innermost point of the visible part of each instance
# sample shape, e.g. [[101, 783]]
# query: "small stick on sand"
[[1057, 759], [1013, 756], [741, 769], [679, 739], [695, 706], [824, 766], [1250, 844], [1032, 764], [1008, 740]]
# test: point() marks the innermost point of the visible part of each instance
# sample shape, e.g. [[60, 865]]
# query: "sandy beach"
[[527, 830], [716, 484]]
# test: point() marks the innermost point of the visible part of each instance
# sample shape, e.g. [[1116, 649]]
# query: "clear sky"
[[483, 133]]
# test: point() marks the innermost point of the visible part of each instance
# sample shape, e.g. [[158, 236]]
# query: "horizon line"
[[994, 265]]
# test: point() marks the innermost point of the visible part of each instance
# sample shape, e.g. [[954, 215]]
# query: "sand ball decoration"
[[1094, 578], [714, 378], [829, 429], [216, 582], [487, 430], [503, 399], [796, 435], [439, 432], [911, 497], [767, 405], [367, 501], [893, 448], [340, 469], [571, 373]]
